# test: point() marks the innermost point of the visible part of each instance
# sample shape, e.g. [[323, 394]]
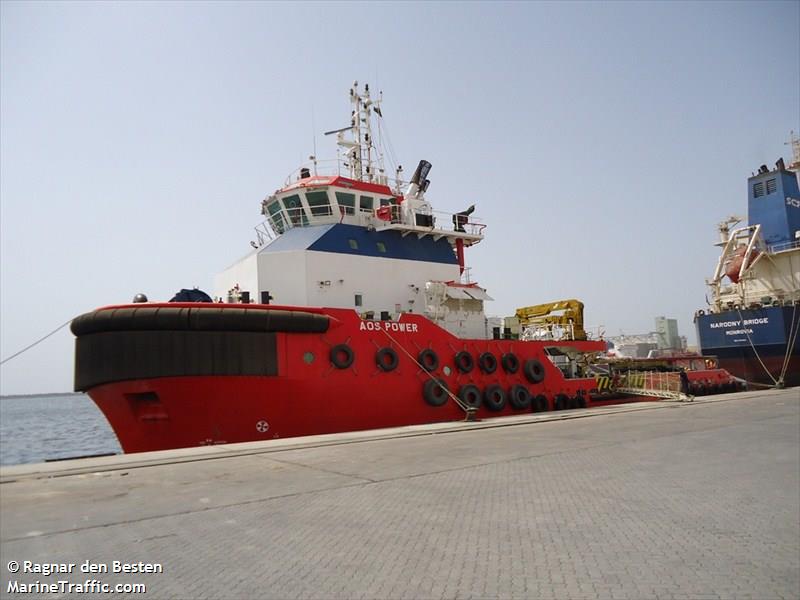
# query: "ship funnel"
[[423, 168]]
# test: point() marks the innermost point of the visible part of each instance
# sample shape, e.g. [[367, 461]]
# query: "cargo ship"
[[753, 317], [353, 310]]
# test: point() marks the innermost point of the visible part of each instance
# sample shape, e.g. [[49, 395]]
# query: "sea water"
[[39, 428]]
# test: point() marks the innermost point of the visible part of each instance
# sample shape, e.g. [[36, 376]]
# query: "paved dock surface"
[[683, 501]]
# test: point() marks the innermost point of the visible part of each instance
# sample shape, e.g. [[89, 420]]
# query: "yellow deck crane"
[[564, 316]]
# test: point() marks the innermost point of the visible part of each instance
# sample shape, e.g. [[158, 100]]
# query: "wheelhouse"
[[324, 200]]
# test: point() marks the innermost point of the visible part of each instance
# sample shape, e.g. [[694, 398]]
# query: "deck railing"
[[338, 168], [383, 216], [784, 246]]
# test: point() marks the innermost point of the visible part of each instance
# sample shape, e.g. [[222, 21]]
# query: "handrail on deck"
[[376, 217]]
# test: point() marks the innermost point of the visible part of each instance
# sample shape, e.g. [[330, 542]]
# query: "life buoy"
[[435, 392], [520, 397], [429, 360], [487, 363], [464, 361], [510, 362], [386, 359], [540, 403], [561, 402], [470, 395], [342, 356], [534, 370], [494, 398]]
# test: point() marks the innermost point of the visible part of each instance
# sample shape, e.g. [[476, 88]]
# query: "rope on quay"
[[39, 341]]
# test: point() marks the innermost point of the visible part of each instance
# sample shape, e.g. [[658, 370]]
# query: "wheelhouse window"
[[365, 203], [276, 216], [294, 208], [318, 203], [347, 202]]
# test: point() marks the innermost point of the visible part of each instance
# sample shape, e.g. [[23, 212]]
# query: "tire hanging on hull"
[[435, 392]]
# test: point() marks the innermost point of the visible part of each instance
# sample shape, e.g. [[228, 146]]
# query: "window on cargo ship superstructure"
[[318, 203], [347, 202], [365, 203], [295, 210]]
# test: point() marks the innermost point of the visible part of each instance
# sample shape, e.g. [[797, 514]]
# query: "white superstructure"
[[349, 238]]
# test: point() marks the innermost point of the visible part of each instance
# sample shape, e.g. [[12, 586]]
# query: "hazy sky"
[[601, 143]]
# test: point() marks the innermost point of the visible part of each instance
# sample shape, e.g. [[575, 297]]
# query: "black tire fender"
[[487, 363], [435, 392], [464, 361], [494, 398], [342, 356], [386, 359], [429, 360], [520, 397], [470, 395], [510, 362], [533, 370]]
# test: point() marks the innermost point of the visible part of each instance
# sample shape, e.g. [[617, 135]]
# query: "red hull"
[[309, 395], [751, 369]]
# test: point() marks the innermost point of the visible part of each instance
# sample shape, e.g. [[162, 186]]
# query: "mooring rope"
[[455, 398], [747, 333], [793, 329], [40, 340]]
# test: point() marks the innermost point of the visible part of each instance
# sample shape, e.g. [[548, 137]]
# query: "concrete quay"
[[651, 500]]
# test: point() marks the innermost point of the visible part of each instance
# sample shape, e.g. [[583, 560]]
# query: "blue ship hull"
[[744, 339]]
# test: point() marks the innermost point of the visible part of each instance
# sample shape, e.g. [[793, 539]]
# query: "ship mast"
[[362, 156], [794, 142]]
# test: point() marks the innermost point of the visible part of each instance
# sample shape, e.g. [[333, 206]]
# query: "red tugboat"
[[374, 325]]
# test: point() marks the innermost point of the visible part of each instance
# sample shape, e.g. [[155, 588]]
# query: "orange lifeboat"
[[734, 265]]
